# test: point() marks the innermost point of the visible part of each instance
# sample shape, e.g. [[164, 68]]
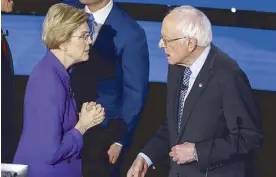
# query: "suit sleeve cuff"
[[147, 159], [78, 138]]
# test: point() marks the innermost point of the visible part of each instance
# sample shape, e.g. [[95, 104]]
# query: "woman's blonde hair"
[[59, 24]]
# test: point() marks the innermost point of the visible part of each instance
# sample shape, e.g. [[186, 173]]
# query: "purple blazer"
[[49, 144]]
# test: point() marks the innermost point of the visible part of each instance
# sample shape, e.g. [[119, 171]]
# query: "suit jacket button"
[[68, 161]]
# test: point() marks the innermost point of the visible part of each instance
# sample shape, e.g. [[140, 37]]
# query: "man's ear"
[[192, 43]]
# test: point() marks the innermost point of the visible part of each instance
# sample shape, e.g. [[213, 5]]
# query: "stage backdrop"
[[253, 49]]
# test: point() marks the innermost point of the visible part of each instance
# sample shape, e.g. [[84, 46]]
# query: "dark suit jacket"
[[116, 74], [210, 117], [7, 99]]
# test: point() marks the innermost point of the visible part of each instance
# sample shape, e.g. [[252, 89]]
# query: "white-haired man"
[[212, 124]]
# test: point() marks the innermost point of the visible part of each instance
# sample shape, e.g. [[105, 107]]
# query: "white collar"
[[101, 15], [197, 65]]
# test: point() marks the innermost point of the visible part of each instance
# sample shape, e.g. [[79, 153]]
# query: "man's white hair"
[[193, 24]]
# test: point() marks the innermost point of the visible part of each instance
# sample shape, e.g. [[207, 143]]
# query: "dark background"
[[154, 110]]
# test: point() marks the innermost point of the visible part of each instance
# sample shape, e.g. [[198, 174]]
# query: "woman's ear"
[[63, 47]]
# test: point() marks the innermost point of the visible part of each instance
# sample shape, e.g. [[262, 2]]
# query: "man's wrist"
[[146, 158]]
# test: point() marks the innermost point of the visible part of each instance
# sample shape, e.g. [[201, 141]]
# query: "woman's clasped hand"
[[91, 115]]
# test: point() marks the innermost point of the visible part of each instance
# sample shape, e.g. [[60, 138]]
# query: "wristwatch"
[[195, 154]]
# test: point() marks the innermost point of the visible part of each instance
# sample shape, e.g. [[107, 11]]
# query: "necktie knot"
[[91, 17], [187, 73], [186, 77]]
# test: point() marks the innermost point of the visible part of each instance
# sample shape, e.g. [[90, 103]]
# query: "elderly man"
[[212, 123]]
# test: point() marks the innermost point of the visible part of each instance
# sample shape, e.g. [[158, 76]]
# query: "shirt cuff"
[[118, 144], [147, 159]]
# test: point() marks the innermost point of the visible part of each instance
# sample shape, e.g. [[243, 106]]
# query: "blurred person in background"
[[115, 76], [51, 140], [8, 122]]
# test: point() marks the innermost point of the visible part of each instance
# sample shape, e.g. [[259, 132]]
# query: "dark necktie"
[[90, 22], [183, 91]]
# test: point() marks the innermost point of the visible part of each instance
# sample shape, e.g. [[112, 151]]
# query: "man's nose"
[[161, 44]]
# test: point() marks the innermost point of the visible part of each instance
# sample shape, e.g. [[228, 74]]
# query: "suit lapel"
[[197, 89]]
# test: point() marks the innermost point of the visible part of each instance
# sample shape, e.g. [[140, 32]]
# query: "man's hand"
[[138, 168], [114, 152], [183, 153]]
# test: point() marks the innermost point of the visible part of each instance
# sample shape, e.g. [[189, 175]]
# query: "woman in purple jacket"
[[51, 140]]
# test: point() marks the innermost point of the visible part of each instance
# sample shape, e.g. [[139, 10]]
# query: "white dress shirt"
[[99, 17], [195, 68]]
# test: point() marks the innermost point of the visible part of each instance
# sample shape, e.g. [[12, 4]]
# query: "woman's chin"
[[84, 58]]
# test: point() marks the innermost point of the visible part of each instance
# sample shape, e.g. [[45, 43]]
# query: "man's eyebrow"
[[165, 37]]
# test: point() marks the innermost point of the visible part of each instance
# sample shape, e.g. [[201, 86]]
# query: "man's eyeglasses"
[[84, 36], [167, 41]]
